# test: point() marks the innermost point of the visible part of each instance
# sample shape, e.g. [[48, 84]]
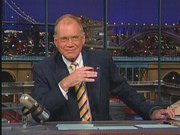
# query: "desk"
[[49, 128]]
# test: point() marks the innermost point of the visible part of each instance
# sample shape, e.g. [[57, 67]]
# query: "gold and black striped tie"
[[82, 98]]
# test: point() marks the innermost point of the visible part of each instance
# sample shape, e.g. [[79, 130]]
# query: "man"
[[57, 84]]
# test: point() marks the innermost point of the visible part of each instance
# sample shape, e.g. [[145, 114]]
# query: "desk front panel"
[[105, 128]]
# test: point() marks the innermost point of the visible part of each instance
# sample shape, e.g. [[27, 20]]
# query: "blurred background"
[[143, 36]]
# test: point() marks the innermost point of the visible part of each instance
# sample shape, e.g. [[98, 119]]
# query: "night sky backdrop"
[[126, 11]]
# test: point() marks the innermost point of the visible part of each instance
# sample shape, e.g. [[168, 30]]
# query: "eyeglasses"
[[72, 38]]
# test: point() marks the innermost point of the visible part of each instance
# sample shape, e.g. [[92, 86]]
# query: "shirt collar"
[[78, 60]]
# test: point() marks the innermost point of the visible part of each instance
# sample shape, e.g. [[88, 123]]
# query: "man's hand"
[[162, 114], [83, 74]]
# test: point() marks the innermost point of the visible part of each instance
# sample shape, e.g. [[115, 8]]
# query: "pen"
[[166, 122]]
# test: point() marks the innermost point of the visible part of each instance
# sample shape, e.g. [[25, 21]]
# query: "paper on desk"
[[76, 127], [115, 127], [175, 107], [156, 126], [91, 127], [177, 118]]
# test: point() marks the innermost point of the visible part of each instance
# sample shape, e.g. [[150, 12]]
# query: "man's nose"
[[69, 42]]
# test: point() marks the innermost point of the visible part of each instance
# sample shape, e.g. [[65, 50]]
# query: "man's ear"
[[55, 42], [83, 39]]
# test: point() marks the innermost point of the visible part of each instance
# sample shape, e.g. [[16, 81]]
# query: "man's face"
[[69, 40]]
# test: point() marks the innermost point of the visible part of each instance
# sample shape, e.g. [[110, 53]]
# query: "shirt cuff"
[[63, 92]]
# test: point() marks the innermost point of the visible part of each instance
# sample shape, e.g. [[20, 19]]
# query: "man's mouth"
[[70, 51]]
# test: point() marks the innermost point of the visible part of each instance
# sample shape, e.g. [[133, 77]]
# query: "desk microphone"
[[38, 112]]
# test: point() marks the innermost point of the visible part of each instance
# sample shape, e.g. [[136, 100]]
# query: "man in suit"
[[55, 81]]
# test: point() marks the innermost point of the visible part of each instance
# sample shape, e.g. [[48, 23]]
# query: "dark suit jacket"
[[49, 72]]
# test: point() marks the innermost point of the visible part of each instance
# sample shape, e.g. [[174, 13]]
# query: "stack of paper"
[[92, 127], [75, 127]]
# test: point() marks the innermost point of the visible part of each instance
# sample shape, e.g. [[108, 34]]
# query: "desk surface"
[[105, 128]]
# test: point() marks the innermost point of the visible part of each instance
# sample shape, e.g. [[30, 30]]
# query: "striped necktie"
[[82, 98]]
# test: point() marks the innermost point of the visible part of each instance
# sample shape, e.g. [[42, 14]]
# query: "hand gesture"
[[82, 74]]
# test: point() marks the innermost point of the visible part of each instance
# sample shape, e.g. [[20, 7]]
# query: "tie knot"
[[73, 66]]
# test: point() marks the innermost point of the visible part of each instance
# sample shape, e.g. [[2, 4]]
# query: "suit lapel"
[[60, 73], [61, 70]]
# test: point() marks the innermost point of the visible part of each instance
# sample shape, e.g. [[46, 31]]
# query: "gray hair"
[[75, 18]]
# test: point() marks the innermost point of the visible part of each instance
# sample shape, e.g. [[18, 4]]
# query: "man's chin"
[[71, 58]]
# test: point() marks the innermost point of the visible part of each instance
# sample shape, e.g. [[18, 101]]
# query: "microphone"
[[39, 113]]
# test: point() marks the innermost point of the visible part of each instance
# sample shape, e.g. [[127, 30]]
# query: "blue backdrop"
[[126, 11]]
